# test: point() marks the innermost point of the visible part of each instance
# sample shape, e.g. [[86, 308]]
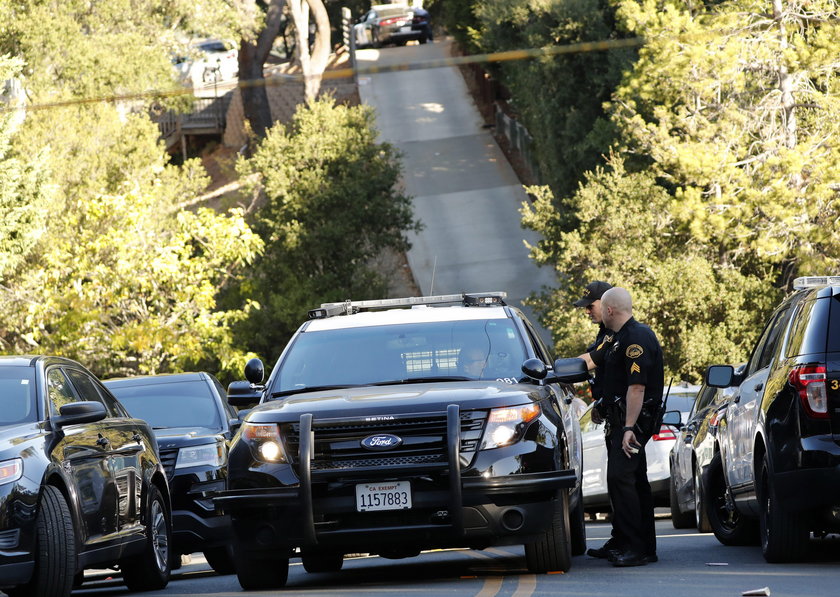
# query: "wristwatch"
[[626, 429]]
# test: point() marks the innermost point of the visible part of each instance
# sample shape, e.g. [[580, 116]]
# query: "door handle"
[[758, 387], [103, 441]]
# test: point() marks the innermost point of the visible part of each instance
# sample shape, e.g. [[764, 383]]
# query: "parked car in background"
[[208, 61], [693, 450], [595, 497], [193, 424], [778, 468], [392, 24], [399, 425], [81, 483]]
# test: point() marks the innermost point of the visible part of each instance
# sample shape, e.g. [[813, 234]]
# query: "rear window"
[[833, 326], [808, 332], [392, 12], [177, 404]]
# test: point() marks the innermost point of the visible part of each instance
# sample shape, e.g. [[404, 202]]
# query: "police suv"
[[776, 472], [395, 426]]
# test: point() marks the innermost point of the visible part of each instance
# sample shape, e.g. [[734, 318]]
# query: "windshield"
[[176, 404], [466, 350], [17, 395]]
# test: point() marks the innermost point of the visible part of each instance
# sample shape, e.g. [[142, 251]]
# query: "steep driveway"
[[464, 190]]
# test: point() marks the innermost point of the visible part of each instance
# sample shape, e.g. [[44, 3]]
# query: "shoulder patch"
[[634, 351]]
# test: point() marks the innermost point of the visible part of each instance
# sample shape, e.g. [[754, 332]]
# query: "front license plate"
[[392, 495]]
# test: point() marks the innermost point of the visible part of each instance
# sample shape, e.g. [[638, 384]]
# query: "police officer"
[[633, 380], [591, 303]]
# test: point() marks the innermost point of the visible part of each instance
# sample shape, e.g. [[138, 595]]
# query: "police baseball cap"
[[594, 291]]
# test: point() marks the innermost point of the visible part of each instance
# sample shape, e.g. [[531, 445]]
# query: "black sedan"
[[81, 483], [692, 452], [193, 423], [392, 24]]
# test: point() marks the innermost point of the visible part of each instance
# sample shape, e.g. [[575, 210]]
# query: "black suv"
[[81, 483], [778, 465], [392, 430], [193, 424]]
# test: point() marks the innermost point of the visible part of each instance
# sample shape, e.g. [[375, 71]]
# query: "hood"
[[181, 437], [397, 399], [15, 438]]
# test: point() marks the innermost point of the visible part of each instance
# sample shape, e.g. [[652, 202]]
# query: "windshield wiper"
[[312, 389], [409, 380]]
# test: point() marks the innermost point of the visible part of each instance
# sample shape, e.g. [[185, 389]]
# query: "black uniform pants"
[[631, 498]]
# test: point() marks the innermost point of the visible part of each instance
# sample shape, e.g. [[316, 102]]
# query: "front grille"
[[338, 442], [9, 539], [168, 458]]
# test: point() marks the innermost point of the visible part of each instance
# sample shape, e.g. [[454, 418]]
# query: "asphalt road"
[[465, 192], [683, 570]]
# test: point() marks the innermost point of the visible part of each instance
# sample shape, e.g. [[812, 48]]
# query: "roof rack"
[[815, 282], [348, 307]]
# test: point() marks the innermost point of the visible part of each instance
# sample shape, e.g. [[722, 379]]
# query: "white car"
[[658, 450], [208, 61]]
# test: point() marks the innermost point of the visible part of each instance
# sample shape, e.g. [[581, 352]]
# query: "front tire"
[[577, 523], [322, 561], [679, 519], [701, 516], [55, 555], [728, 525], [260, 573], [221, 559], [150, 569], [553, 551], [784, 534]]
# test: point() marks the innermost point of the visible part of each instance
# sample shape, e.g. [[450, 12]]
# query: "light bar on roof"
[[483, 299], [815, 282]]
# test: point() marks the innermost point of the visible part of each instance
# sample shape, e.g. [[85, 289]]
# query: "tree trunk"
[[257, 39], [311, 65]]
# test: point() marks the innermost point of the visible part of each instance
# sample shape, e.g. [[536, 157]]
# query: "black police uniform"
[[602, 340], [633, 357]]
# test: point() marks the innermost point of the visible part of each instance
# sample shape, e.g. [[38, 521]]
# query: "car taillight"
[[418, 20], [809, 381], [665, 432], [390, 21]]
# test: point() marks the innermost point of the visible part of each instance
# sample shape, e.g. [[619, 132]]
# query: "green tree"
[[102, 259], [24, 192], [722, 186], [329, 205]]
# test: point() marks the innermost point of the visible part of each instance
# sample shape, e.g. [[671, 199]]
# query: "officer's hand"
[[629, 444], [596, 416]]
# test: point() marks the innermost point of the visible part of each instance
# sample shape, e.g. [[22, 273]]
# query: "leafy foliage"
[[330, 206], [722, 184], [101, 261]]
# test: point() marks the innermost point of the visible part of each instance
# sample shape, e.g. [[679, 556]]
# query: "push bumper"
[[470, 510]]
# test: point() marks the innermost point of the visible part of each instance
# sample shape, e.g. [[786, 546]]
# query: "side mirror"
[[535, 369], [255, 371], [570, 370], [243, 393], [673, 418], [76, 413], [720, 376]]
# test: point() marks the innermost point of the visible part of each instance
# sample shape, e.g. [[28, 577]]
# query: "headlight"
[[264, 440], [201, 455], [11, 470], [507, 425]]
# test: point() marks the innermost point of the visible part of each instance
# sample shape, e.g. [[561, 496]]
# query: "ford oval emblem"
[[382, 441]]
